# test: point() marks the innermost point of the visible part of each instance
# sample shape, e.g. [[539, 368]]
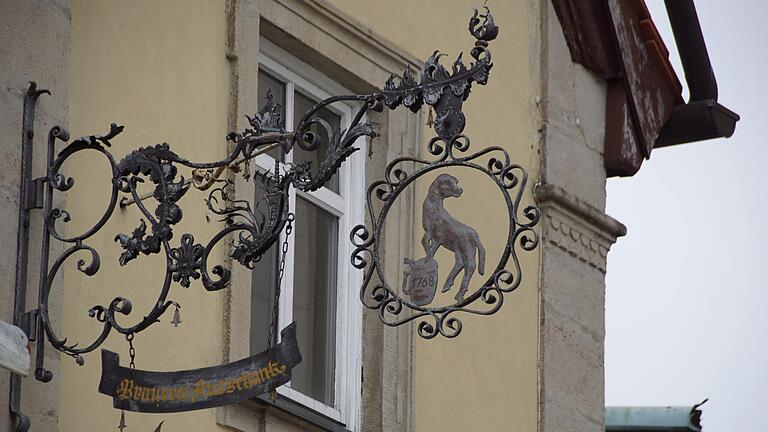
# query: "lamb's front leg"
[[430, 245]]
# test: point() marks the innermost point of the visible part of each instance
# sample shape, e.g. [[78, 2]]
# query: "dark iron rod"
[[22, 240]]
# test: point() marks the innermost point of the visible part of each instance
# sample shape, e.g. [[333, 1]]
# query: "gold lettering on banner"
[[137, 392], [202, 389], [125, 390]]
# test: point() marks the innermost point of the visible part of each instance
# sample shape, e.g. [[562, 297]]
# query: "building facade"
[[187, 72]]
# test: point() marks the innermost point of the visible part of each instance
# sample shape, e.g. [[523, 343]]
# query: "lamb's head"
[[447, 186]]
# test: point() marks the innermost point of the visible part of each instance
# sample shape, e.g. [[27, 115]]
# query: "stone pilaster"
[[576, 236]]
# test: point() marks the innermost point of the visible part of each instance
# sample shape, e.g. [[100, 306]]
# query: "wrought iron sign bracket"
[[256, 226]]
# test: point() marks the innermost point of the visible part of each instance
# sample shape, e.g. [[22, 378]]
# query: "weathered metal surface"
[[445, 92], [643, 419], [702, 117], [14, 349], [622, 152], [158, 392], [442, 229], [648, 89], [22, 239], [255, 227], [618, 41]]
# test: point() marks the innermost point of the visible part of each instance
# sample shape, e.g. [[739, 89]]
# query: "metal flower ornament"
[[255, 227]]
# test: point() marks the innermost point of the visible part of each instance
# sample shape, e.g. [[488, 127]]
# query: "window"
[[319, 287]]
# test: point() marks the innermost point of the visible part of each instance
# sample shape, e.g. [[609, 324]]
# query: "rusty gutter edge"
[[702, 117]]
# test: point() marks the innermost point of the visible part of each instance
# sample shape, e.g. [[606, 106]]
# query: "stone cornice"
[[318, 30], [577, 227]]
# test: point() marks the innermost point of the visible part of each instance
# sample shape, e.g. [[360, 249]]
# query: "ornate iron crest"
[[444, 91], [256, 226]]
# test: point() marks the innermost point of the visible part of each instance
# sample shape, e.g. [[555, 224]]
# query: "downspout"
[[702, 117]]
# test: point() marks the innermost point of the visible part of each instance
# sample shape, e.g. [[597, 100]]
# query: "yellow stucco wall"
[[157, 67], [486, 379]]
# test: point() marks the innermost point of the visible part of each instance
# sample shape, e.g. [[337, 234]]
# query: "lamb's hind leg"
[[469, 270], [457, 265]]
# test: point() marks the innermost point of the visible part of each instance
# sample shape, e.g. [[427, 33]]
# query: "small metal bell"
[[122, 424], [176, 317]]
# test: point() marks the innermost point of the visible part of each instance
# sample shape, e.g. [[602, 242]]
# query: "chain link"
[[131, 350], [132, 353], [278, 283]]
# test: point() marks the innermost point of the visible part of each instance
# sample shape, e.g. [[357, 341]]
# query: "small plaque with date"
[[420, 282]]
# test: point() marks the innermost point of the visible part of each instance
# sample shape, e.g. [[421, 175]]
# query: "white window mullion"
[[289, 96], [347, 207], [354, 192], [286, 287], [286, 299]]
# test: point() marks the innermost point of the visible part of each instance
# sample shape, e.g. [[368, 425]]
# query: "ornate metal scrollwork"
[[445, 91], [256, 226]]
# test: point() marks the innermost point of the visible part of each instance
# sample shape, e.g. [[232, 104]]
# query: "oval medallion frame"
[[392, 304]]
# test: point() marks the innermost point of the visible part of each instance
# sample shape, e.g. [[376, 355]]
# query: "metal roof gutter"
[[702, 117], [648, 419]]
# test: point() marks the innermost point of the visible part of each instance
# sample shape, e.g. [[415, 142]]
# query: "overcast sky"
[[687, 308]]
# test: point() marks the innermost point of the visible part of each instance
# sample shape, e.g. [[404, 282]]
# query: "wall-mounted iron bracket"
[[30, 195], [255, 226], [28, 324]]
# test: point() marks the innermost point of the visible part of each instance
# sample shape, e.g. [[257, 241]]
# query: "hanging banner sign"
[[162, 392]]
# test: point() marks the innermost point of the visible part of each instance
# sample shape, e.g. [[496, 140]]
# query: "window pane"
[[303, 104], [314, 300], [269, 83], [263, 280]]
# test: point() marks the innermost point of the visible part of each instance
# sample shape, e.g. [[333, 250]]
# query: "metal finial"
[[122, 424], [176, 316]]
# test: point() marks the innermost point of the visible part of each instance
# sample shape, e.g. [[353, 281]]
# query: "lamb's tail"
[[480, 255]]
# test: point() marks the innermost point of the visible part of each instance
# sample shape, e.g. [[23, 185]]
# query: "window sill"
[[242, 416], [296, 409]]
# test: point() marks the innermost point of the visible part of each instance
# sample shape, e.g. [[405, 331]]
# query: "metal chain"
[[132, 353], [278, 283], [276, 306], [131, 350]]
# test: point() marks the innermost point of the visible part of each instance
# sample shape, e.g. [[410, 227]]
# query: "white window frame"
[[348, 207]]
